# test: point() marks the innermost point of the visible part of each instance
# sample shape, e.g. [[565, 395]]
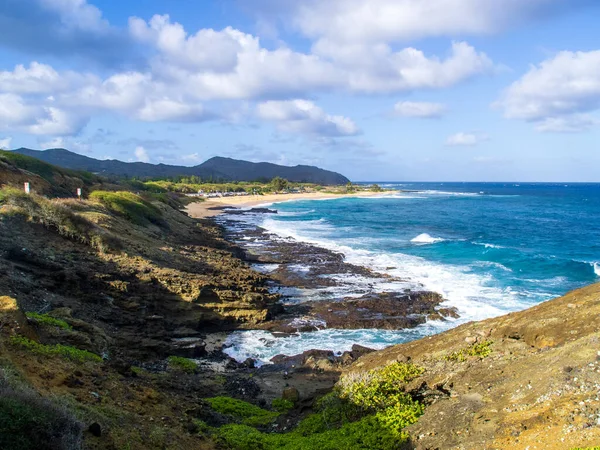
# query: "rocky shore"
[[320, 289]]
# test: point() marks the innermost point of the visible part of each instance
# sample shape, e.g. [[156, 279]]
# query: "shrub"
[[45, 319], [183, 364], [64, 351], [133, 207], [282, 405], [29, 422], [248, 413], [481, 350], [368, 411]]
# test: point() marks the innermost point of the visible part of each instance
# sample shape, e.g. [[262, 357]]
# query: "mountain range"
[[215, 169]]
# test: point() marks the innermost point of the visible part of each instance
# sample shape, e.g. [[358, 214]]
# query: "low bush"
[[481, 350], [65, 351], [183, 364], [133, 207], [45, 319], [282, 405], [30, 422], [366, 411], [248, 413]]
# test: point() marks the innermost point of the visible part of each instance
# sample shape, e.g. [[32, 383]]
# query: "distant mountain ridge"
[[217, 168]]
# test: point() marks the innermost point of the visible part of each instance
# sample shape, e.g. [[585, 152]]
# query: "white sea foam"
[[486, 245], [494, 264], [425, 238], [596, 268], [472, 293], [469, 292], [446, 193], [263, 345]]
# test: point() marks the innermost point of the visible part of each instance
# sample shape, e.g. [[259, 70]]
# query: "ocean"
[[488, 248]]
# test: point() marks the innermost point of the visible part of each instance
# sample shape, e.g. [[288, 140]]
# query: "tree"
[[279, 184]]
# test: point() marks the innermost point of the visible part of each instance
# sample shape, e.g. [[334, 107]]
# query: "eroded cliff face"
[[528, 380], [165, 282]]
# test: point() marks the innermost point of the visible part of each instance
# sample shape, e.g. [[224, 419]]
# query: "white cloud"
[[557, 93], [5, 143], [466, 139], [394, 20], [568, 124], [304, 117], [419, 109], [184, 72], [191, 158], [141, 154], [77, 14]]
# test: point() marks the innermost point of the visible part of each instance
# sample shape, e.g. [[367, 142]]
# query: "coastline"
[[214, 206]]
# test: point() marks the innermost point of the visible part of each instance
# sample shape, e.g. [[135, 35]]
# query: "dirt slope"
[[539, 388]]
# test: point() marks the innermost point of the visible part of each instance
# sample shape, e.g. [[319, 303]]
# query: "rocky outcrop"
[[537, 388]]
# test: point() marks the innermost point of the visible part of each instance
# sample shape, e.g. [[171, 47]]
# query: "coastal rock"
[[389, 311], [291, 394]]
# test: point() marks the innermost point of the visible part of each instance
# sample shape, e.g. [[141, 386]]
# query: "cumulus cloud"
[[304, 117], [141, 154], [395, 20], [72, 29], [186, 71], [558, 94], [465, 139], [5, 143], [419, 109]]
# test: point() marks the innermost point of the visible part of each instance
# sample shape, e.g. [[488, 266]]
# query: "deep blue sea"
[[488, 248]]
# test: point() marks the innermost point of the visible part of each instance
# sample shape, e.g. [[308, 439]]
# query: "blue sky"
[[430, 90]]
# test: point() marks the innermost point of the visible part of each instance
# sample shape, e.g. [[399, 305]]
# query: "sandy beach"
[[215, 206]]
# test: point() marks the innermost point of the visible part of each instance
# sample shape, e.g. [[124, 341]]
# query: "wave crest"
[[425, 238]]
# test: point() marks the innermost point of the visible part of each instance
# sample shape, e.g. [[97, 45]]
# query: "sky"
[[395, 90]]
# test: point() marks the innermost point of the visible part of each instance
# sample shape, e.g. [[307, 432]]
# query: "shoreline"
[[215, 206]]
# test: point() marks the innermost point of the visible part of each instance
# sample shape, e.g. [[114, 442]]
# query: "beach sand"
[[214, 206]]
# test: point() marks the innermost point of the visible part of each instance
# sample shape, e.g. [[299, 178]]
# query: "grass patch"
[[64, 351], [56, 215], [248, 413], [133, 207], [481, 350], [282, 405], [45, 319], [183, 364], [365, 411]]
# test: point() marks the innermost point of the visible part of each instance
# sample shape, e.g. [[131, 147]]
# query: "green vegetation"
[[131, 206], [183, 364], [45, 170], [281, 405], [29, 422], [375, 188], [57, 215], [481, 350], [64, 351], [248, 413], [279, 184], [366, 411], [45, 319]]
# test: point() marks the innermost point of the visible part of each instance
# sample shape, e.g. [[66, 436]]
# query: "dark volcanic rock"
[[388, 311]]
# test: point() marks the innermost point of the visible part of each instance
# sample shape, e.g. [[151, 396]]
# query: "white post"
[[27, 187], [79, 193]]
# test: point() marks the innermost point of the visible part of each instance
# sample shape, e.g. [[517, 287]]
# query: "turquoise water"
[[487, 248]]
